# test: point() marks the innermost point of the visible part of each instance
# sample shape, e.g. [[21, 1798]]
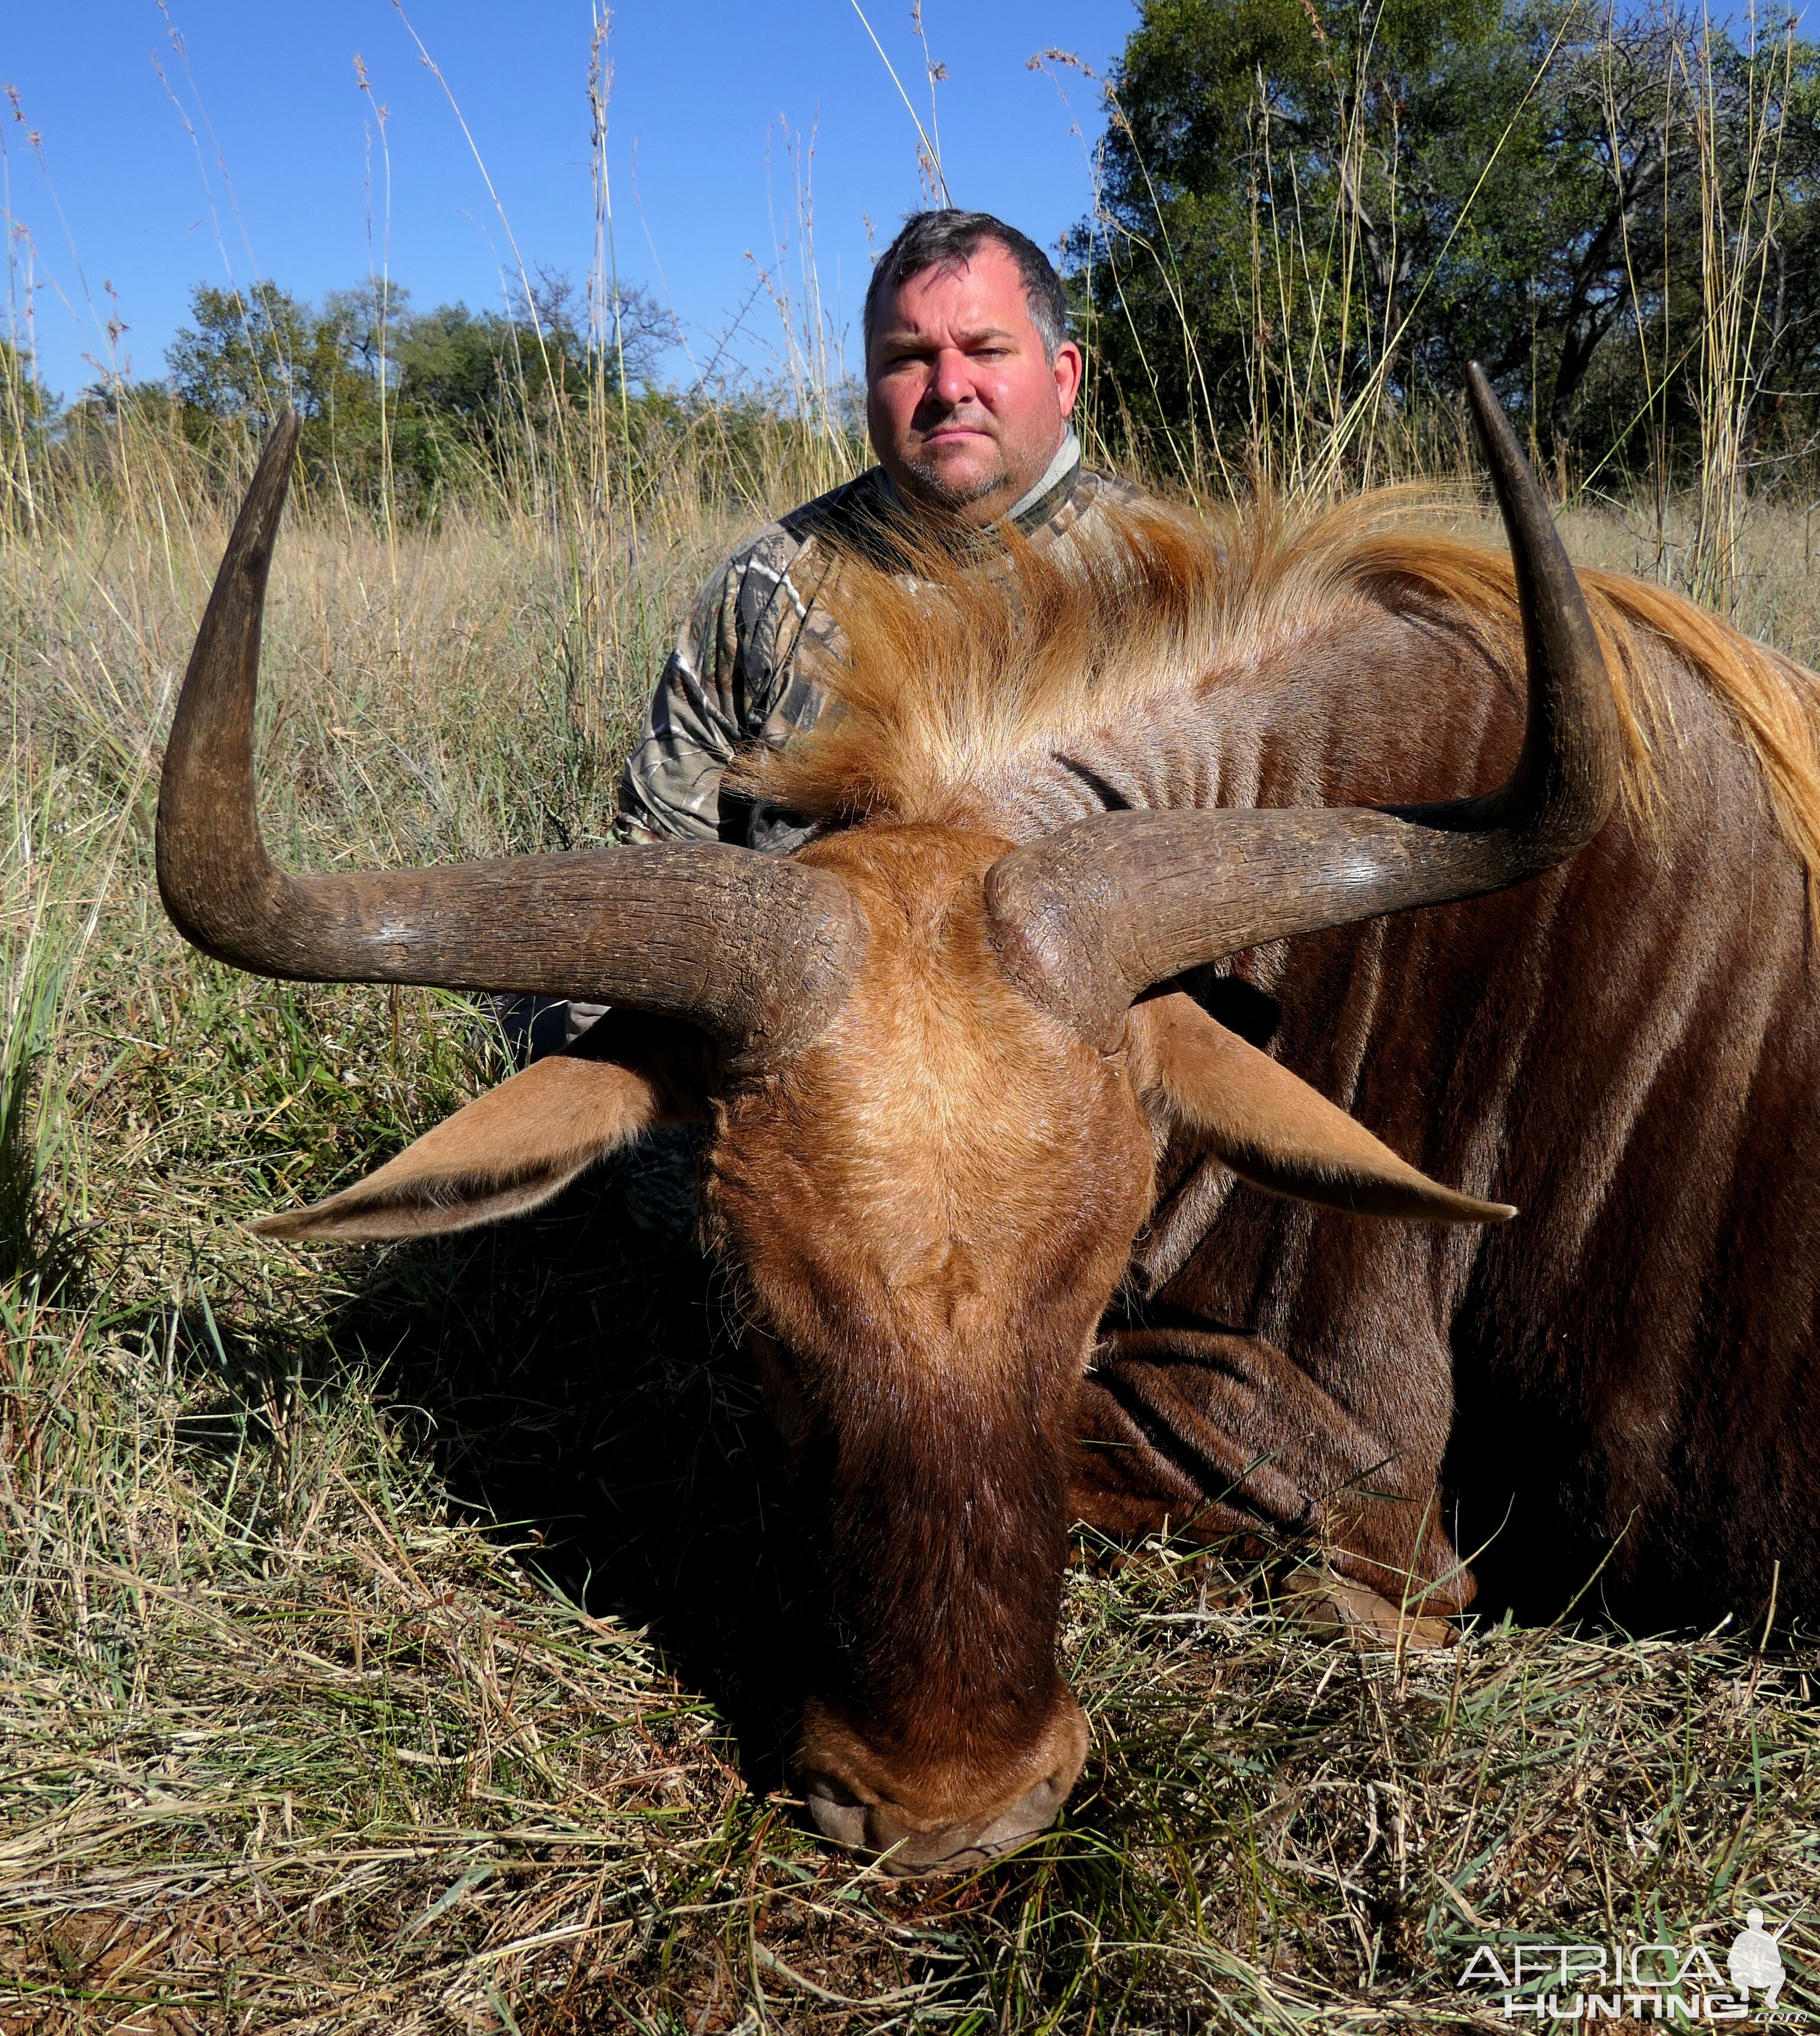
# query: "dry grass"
[[1777, 562], [402, 1640]]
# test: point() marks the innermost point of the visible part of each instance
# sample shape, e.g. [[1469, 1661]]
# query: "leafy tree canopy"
[[424, 387], [1307, 203]]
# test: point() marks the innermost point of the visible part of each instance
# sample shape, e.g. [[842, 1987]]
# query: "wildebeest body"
[[957, 1086], [1625, 1380]]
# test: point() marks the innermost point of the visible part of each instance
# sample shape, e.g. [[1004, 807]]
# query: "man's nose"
[[953, 383]]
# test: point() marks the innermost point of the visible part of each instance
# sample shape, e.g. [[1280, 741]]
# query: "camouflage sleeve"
[[671, 788]]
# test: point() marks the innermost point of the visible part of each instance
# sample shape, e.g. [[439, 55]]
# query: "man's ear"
[[521, 1144], [1273, 1130]]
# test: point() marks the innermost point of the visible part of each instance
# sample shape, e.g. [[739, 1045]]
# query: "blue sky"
[[703, 92]]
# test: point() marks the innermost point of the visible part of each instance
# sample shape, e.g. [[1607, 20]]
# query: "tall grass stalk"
[[1738, 246], [379, 279]]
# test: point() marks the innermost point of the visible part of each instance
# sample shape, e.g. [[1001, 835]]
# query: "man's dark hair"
[[948, 238]]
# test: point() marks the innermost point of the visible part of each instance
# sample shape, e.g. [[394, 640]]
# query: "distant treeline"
[[387, 391], [1313, 212]]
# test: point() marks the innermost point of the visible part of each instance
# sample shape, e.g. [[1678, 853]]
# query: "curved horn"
[[754, 949], [1088, 917]]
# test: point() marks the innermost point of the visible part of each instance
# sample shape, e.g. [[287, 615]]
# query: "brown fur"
[[930, 1264], [1302, 1372], [956, 686]]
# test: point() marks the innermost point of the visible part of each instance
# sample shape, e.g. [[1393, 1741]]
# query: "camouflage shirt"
[[746, 660]]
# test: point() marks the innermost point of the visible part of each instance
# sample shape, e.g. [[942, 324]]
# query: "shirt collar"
[[1033, 507]]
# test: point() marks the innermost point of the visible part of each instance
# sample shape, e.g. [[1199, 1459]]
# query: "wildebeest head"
[[936, 1064]]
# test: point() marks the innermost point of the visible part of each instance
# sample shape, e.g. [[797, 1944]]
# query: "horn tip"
[[1488, 413], [280, 444]]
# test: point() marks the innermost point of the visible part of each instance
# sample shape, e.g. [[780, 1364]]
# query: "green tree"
[[1307, 203], [480, 370], [24, 402], [483, 368], [436, 389], [249, 353]]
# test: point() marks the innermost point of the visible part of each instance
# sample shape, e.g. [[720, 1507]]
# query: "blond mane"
[[955, 683]]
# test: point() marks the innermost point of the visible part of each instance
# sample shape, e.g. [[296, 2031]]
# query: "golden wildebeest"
[[965, 1089]]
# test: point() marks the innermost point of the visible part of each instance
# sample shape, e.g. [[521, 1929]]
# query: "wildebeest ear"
[[1273, 1130], [517, 1146]]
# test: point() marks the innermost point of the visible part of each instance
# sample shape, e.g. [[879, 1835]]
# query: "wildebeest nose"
[[906, 1850]]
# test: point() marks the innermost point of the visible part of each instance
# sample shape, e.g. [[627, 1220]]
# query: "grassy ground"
[[400, 1640]]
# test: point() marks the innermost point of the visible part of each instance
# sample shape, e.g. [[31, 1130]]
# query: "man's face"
[[964, 410]]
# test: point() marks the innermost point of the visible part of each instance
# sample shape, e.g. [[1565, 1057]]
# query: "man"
[[970, 380]]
